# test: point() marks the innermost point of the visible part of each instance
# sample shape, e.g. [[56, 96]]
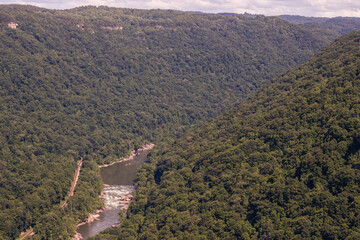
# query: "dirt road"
[[73, 184]]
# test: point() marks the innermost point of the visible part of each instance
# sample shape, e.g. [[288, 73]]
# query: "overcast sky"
[[318, 8]]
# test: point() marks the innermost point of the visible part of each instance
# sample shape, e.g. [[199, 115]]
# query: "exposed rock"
[[113, 28], [13, 25], [77, 236]]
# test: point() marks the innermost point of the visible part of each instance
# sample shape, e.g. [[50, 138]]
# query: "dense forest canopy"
[[97, 82], [285, 164]]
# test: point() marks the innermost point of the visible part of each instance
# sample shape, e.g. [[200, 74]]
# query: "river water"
[[118, 180]]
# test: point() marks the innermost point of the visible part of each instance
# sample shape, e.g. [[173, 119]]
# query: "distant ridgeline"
[[285, 164], [340, 25], [95, 83]]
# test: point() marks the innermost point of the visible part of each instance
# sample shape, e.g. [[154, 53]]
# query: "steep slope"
[[94, 83], [285, 164]]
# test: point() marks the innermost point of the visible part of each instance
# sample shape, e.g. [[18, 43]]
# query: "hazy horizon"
[[308, 8]]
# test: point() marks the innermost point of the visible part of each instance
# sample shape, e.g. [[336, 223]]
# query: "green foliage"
[[74, 85], [282, 165]]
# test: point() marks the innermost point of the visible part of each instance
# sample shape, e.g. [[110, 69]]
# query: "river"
[[118, 179]]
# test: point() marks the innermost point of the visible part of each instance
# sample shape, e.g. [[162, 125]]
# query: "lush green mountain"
[[97, 82], [285, 164], [340, 25]]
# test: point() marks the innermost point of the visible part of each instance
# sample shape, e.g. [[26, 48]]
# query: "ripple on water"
[[112, 195], [119, 179]]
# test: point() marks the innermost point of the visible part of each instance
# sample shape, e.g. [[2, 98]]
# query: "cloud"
[[319, 8]]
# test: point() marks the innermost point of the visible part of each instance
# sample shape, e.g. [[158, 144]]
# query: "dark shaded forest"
[[98, 82], [285, 164]]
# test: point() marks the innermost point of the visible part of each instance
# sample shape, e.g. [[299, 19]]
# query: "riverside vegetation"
[[97, 82], [285, 164]]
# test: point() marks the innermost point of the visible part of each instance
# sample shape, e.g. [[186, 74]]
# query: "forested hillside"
[[95, 83], [285, 164], [337, 25], [340, 25]]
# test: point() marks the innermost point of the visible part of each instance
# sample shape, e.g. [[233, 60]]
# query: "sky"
[[316, 8]]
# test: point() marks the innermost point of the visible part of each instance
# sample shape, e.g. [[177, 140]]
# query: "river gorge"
[[118, 181]]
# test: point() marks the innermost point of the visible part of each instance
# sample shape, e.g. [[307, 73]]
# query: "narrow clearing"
[[73, 184]]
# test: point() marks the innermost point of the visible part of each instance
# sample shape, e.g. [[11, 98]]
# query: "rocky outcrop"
[[12, 25], [113, 28]]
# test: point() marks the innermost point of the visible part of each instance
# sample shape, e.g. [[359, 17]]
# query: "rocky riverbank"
[[132, 155], [114, 195]]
